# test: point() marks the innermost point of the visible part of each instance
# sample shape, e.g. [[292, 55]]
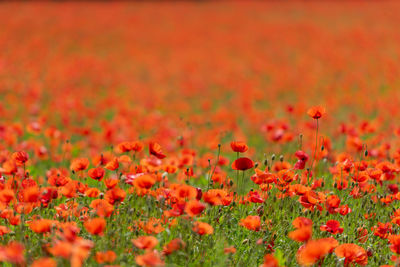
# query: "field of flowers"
[[200, 134]]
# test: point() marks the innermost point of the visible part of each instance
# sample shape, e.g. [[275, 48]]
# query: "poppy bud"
[[266, 162], [366, 153], [273, 157], [260, 210], [281, 158], [370, 252], [199, 193]]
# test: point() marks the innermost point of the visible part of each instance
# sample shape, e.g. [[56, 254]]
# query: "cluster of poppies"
[[199, 134]]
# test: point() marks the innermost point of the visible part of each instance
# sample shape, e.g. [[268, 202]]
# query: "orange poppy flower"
[[155, 150], [102, 207], [301, 234], [129, 146], [303, 230], [44, 262], [352, 254], [173, 245], [105, 257], [202, 228], [92, 192], [394, 243], [262, 177], [184, 191], [14, 219], [145, 242], [42, 225], [124, 147], [216, 197], [137, 146], [239, 146], [69, 190], [9, 167], [13, 253], [61, 249], [153, 225], [58, 180], [112, 165], [362, 235], [115, 194], [315, 250], [144, 181], [149, 259], [111, 182], [7, 195], [95, 226], [251, 222], [242, 164], [270, 261], [4, 230], [20, 157], [31, 194], [79, 164], [230, 250], [194, 207], [300, 222], [316, 112]]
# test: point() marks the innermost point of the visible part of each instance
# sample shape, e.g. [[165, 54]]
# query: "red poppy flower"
[[194, 207], [332, 226], [96, 173], [239, 146], [344, 210], [155, 150], [242, 164]]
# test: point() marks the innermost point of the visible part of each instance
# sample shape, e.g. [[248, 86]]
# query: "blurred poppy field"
[[200, 134]]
